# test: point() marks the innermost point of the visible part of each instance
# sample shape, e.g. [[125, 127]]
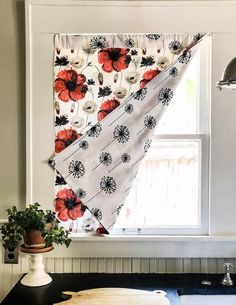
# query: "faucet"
[[227, 281]]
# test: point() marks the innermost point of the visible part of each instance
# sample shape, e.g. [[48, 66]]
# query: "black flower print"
[[91, 82], [125, 158], [105, 158], [130, 43], [134, 52], [61, 120], [140, 94], [129, 108], [108, 185], [84, 145], [173, 72], [175, 47], [197, 36], [165, 95], [61, 61], [59, 180], [150, 122], [153, 36], [147, 61], [95, 130], [76, 169], [119, 209], [147, 145], [185, 57], [52, 163], [81, 193], [97, 213], [105, 91], [98, 42], [121, 134]]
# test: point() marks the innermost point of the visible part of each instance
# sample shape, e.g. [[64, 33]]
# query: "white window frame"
[[203, 114], [203, 227], [222, 237]]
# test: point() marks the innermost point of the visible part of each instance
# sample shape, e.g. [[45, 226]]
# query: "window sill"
[[158, 238], [149, 246]]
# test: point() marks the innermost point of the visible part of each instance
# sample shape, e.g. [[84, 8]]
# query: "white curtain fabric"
[[110, 92]]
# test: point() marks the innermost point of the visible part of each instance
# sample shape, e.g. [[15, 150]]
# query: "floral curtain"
[[109, 94]]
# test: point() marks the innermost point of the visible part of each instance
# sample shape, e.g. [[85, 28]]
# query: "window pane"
[[165, 192], [181, 116]]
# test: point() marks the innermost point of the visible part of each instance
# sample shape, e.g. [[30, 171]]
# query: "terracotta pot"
[[33, 239]]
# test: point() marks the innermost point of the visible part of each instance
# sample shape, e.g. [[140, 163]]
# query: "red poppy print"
[[110, 105], [70, 86], [101, 114], [107, 107], [114, 59], [147, 76], [101, 230], [64, 138], [68, 205]]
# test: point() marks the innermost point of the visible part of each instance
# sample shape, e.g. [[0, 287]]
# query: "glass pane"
[[165, 192], [181, 116]]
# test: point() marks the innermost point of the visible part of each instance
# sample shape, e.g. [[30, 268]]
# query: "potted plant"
[[39, 229]]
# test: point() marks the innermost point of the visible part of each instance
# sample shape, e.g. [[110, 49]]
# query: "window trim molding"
[[148, 247], [36, 30]]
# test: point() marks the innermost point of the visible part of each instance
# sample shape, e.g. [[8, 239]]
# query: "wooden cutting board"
[[115, 296]]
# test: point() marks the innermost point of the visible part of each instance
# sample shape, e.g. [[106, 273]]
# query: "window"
[[170, 192]]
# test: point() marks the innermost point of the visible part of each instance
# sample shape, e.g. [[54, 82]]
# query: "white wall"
[[223, 163]]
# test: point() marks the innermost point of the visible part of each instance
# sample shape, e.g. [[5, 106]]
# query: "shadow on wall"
[[12, 104]]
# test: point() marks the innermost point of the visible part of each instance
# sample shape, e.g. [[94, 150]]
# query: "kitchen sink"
[[220, 299]]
